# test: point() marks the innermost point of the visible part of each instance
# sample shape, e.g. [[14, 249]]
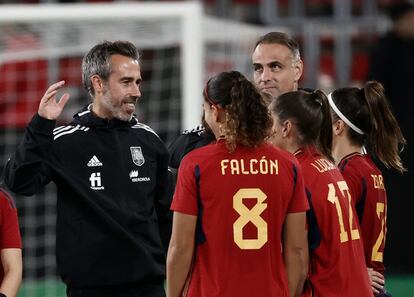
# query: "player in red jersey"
[[239, 205], [363, 117], [10, 247], [302, 125]]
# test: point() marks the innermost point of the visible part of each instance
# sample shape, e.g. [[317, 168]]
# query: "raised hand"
[[49, 107]]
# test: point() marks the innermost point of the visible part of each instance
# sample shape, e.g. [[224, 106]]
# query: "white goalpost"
[[188, 15]]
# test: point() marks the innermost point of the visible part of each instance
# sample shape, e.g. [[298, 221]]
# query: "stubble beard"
[[115, 109]]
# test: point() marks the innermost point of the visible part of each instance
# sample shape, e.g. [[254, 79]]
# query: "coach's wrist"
[[2, 295]]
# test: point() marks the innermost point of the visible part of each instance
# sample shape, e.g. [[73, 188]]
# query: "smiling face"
[[120, 93], [275, 72]]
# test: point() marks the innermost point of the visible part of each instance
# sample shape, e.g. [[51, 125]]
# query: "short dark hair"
[[98, 60], [282, 39]]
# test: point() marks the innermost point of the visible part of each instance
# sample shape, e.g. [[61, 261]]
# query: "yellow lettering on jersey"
[[378, 181], [252, 166], [234, 166], [253, 163], [224, 164], [323, 165], [334, 199], [243, 171], [376, 255], [250, 215], [274, 167]]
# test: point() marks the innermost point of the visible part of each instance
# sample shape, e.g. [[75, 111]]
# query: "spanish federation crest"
[[137, 156]]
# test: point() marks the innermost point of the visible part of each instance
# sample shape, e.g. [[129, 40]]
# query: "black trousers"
[[147, 290]]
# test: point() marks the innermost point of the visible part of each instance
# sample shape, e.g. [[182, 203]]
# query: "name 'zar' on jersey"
[[252, 166]]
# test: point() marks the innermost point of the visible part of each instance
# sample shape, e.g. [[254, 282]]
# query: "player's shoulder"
[[371, 165], [317, 169], [355, 163], [311, 157], [6, 199], [196, 157]]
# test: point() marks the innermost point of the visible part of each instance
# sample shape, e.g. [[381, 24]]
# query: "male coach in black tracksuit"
[[111, 177]]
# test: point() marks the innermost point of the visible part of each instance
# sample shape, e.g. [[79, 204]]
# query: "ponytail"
[[369, 111], [385, 136]]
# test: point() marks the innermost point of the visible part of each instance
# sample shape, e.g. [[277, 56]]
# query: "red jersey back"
[[9, 225], [241, 200], [370, 200], [337, 265]]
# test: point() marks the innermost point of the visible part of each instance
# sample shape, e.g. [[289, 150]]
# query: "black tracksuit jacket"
[[112, 201]]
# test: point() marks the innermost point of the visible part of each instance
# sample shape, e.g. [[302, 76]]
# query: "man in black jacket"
[[111, 176]]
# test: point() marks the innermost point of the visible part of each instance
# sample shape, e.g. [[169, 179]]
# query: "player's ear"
[[97, 83], [286, 128], [338, 127]]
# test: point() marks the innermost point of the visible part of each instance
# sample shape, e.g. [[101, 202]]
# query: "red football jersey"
[[370, 200], [337, 265], [9, 225], [241, 200]]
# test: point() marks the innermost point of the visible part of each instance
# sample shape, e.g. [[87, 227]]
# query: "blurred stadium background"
[[182, 44]]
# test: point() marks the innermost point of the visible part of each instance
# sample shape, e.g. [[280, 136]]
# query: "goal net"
[[42, 44]]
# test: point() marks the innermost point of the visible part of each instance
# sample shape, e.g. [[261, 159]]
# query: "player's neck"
[[344, 148], [292, 147]]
